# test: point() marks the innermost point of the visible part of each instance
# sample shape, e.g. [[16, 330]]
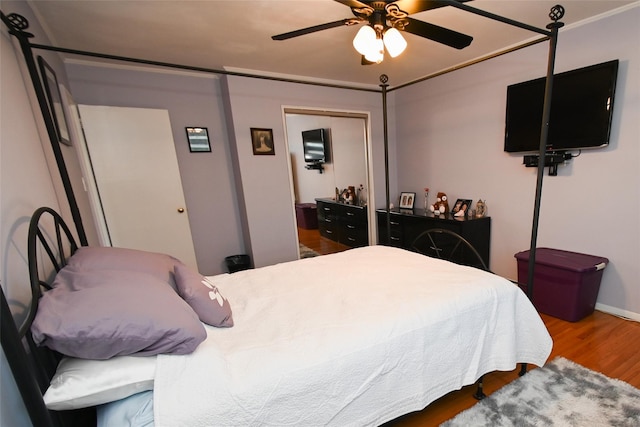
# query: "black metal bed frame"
[[20, 358], [34, 366], [17, 26]]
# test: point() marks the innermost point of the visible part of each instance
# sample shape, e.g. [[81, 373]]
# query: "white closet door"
[[136, 169]]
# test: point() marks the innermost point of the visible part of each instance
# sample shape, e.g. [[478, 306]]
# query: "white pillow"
[[79, 383]]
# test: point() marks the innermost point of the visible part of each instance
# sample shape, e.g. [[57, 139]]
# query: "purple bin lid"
[[566, 260]]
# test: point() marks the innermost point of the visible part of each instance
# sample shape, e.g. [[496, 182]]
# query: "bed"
[[350, 339]]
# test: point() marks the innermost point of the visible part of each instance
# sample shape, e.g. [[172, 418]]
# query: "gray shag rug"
[[562, 393], [306, 252]]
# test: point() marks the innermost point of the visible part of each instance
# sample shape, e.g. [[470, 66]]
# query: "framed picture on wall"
[[50, 82], [407, 200], [262, 141], [198, 138]]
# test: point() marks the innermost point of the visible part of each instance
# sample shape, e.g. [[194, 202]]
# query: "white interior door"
[[133, 157]]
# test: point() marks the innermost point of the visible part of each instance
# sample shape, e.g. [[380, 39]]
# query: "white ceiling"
[[236, 34]]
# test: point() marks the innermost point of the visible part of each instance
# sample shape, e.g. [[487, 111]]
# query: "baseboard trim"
[[618, 312]]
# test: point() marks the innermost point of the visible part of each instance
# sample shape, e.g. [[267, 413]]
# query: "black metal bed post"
[[17, 25], [20, 368], [384, 79], [556, 13]]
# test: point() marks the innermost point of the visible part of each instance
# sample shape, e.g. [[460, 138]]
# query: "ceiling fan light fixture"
[[376, 51], [394, 42], [364, 39]]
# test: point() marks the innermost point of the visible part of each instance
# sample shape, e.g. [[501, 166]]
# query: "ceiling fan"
[[385, 20]]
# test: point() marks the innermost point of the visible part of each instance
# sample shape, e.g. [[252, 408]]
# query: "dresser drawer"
[[327, 227], [354, 234], [396, 229], [354, 240], [326, 210], [354, 215], [343, 223], [405, 227]]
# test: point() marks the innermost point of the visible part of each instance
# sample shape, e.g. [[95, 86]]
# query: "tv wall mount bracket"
[[552, 160]]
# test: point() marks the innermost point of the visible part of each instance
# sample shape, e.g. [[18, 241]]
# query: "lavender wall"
[[266, 180], [450, 138], [228, 213], [207, 179]]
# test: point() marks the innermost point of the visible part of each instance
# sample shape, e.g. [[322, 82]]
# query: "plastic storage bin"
[[307, 216], [565, 284], [238, 263]]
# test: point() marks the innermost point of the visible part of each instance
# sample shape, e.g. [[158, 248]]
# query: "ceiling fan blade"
[[415, 6], [313, 29], [353, 3], [438, 34]]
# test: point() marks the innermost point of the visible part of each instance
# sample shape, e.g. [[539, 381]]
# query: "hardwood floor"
[[313, 240], [600, 342]]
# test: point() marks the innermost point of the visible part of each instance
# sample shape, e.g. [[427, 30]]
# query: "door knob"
[[180, 210]]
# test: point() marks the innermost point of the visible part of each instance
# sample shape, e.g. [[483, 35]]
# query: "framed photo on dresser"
[[461, 205], [407, 200]]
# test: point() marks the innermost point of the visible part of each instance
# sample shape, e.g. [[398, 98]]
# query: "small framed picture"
[[461, 206], [198, 138], [262, 141], [55, 101], [407, 200]]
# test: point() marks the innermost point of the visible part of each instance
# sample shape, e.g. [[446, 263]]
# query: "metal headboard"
[[33, 366], [58, 255]]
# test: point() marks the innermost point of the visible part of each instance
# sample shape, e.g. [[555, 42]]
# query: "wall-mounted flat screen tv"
[[314, 143], [581, 110]]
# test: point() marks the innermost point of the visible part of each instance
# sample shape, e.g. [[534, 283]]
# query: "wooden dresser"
[[406, 225], [343, 223]]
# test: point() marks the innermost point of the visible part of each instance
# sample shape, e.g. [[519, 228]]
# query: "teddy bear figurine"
[[441, 206], [350, 197]]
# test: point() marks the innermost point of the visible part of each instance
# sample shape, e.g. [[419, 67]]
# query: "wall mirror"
[[347, 166]]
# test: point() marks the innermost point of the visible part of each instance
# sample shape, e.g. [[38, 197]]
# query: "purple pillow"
[[110, 258], [105, 313], [203, 297]]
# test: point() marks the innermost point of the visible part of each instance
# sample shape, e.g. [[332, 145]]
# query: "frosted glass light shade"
[[376, 52], [363, 39], [394, 42]]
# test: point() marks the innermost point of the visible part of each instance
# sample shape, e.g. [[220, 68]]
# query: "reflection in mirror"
[[324, 226]]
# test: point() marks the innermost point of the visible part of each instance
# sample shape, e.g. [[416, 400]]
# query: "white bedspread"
[[351, 339]]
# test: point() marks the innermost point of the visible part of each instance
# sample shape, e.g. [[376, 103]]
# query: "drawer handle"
[[327, 220], [329, 232], [394, 223], [350, 214], [351, 239], [351, 226], [327, 209], [395, 238]]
